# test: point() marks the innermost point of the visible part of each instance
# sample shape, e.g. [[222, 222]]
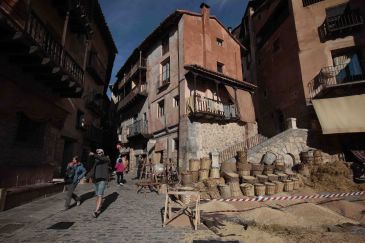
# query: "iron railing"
[[310, 2], [140, 89], [139, 127], [339, 24], [204, 105], [250, 142], [334, 75], [140, 64]]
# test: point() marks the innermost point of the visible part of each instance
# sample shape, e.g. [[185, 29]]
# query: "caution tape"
[[284, 198]]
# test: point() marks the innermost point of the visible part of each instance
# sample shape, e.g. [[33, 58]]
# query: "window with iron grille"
[[310, 2], [165, 77], [219, 42]]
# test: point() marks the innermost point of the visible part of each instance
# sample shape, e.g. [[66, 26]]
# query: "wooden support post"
[[2, 198], [194, 92]]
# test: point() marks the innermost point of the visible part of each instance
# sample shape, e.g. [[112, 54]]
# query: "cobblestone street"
[[128, 217]]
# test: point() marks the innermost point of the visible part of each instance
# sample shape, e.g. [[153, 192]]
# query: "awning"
[[342, 114]]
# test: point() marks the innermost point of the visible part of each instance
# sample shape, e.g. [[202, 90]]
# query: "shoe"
[[95, 214], [121, 184], [78, 203]]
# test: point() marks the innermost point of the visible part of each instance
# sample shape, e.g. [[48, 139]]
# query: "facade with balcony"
[[55, 57], [187, 99]]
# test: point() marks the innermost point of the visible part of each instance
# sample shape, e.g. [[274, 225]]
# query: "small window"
[[219, 42], [220, 67], [145, 116], [165, 45], [80, 121], [175, 144], [176, 101], [29, 132], [165, 76], [161, 108]]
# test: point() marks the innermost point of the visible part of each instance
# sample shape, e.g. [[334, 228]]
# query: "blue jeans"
[[99, 188]]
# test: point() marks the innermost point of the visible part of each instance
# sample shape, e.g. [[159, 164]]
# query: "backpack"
[[70, 174]]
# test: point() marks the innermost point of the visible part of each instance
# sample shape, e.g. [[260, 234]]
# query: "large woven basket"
[[214, 173], [270, 188], [282, 176], [247, 189], [259, 189], [242, 173], [272, 177], [231, 177], [242, 156], [235, 189], [203, 175], [194, 176], [249, 179], [244, 166], [214, 193], [186, 178], [279, 186], [288, 185], [262, 178], [205, 163], [225, 191], [295, 183], [228, 167], [194, 165]]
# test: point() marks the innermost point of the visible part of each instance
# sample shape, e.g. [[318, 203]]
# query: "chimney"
[[230, 29], [205, 10]]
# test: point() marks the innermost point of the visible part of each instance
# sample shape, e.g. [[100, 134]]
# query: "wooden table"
[[151, 185], [192, 209]]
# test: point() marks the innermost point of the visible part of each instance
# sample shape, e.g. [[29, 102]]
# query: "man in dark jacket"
[[100, 175], [75, 171]]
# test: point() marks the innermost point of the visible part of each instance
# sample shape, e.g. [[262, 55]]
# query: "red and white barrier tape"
[[284, 198]]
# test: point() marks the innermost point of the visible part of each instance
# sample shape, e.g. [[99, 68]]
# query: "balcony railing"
[[310, 2], [203, 106], [141, 64], [96, 68], [139, 90], [138, 128], [340, 24], [94, 134], [44, 39], [335, 75]]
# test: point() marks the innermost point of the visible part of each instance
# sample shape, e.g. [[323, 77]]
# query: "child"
[[119, 167]]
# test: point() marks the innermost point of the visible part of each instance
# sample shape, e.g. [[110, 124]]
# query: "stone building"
[[56, 59], [181, 94], [302, 53]]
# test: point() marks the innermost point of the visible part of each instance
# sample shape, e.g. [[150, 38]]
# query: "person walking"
[[100, 175], [119, 168], [75, 171]]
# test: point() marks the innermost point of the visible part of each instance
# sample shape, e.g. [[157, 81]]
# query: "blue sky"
[[130, 21]]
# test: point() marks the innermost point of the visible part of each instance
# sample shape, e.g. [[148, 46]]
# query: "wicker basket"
[[194, 165], [194, 176], [249, 179], [270, 188], [186, 178], [279, 164], [242, 173], [259, 189], [268, 169], [205, 163], [228, 167], [186, 199], [256, 172], [243, 166], [231, 177], [295, 183], [225, 191], [235, 189], [257, 167], [214, 173], [288, 185], [291, 175], [214, 194], [247, 189], [262, 178], [242, 156], [204, 196], [203, 175], [282, 176], [272, 177], [279, 186]]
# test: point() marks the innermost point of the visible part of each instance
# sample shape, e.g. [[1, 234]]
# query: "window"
[[165, 77], [220, 67], [29, 132], [161, 108], [176, 101], [219, 42], [80, 120], [175, 144], [145, 116], [165, 45]]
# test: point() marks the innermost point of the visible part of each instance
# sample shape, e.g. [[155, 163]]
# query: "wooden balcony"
[[96, 68], [138, 128], [141, 64], [29, 44], [341, 25], [203, 107], [140, 91], [338, 76], [94, 134]]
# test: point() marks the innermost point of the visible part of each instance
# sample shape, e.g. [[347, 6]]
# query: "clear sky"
[[131, 21]]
